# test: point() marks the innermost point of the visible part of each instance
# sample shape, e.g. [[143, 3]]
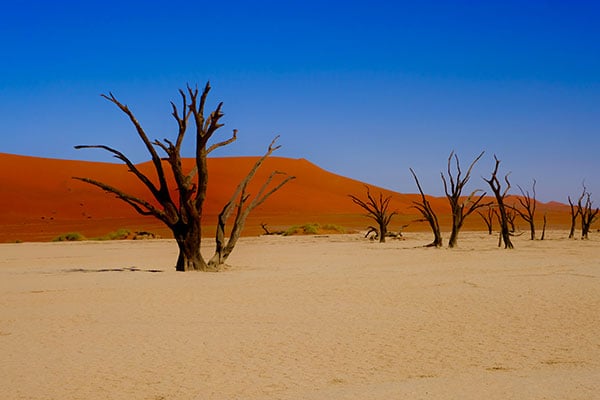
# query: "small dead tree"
[[453, 186], [428, 214], [184, 216], [575, 211], [528, 204], [511, 216], [544, 228], [502, 209], [488, 218], [588, 214], [268, 232], [377, 210]]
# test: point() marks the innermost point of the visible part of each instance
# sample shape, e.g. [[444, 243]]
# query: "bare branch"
[[117, 154], [142, 134], [141, 206], [224, 249], [223, 143]]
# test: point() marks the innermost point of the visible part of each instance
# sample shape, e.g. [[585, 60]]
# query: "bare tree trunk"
[[383, 232], [588, 214], [575, 211], [188, 238], [502, 212], [425, 209], [454, 234], [544, 228]]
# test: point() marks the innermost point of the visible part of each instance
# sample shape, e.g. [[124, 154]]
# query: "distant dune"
[[39, 200]]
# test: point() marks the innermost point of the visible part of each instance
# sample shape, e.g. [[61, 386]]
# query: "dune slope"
[[39, 200]]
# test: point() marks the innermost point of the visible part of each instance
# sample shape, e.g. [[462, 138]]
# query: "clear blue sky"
[[363, 89]]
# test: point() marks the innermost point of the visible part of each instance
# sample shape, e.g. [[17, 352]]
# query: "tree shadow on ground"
[[125, 269]]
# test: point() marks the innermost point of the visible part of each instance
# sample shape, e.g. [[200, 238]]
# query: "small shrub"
[[313, 229], [117, 235], [306, 229], [69, 237], [333, 228]]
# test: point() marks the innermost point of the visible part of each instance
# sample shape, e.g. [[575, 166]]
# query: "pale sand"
[[303, 318]]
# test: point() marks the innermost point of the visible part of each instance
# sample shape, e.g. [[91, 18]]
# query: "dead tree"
[[428, 214], [377, 210], [268, 232], [511, 216], [528, 203], [461, 208], [575, 211], [544, 228], [588, 214], [184, 216], [488, 218], [502, 209]]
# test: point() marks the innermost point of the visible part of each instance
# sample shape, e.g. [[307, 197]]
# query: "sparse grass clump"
[[69, 237], [119, 234], [334, 228], [313, 229], [306, 229]]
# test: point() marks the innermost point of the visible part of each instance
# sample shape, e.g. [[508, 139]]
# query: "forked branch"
[[238, 202]]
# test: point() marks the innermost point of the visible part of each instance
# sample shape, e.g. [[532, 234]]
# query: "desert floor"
[[334, 317]]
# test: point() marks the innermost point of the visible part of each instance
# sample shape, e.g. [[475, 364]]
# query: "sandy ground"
[[303, 318]]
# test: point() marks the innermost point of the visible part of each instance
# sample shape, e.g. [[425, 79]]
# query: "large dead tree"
[[461, 207], [503, 218], [429, 215], [184, 215], [528, 204], [378, 210]]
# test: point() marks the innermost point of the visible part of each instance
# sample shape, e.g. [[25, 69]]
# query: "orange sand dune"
[[39, 200]]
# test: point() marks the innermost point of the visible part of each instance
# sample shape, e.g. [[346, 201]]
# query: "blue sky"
[[362, 89]]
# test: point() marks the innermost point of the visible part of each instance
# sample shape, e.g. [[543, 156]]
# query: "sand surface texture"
[[333, 317]]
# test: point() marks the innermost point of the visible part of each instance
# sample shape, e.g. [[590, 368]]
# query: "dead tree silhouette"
[[503, 216], [184, 217], [453, 187], [377, 210], [429, 215]]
